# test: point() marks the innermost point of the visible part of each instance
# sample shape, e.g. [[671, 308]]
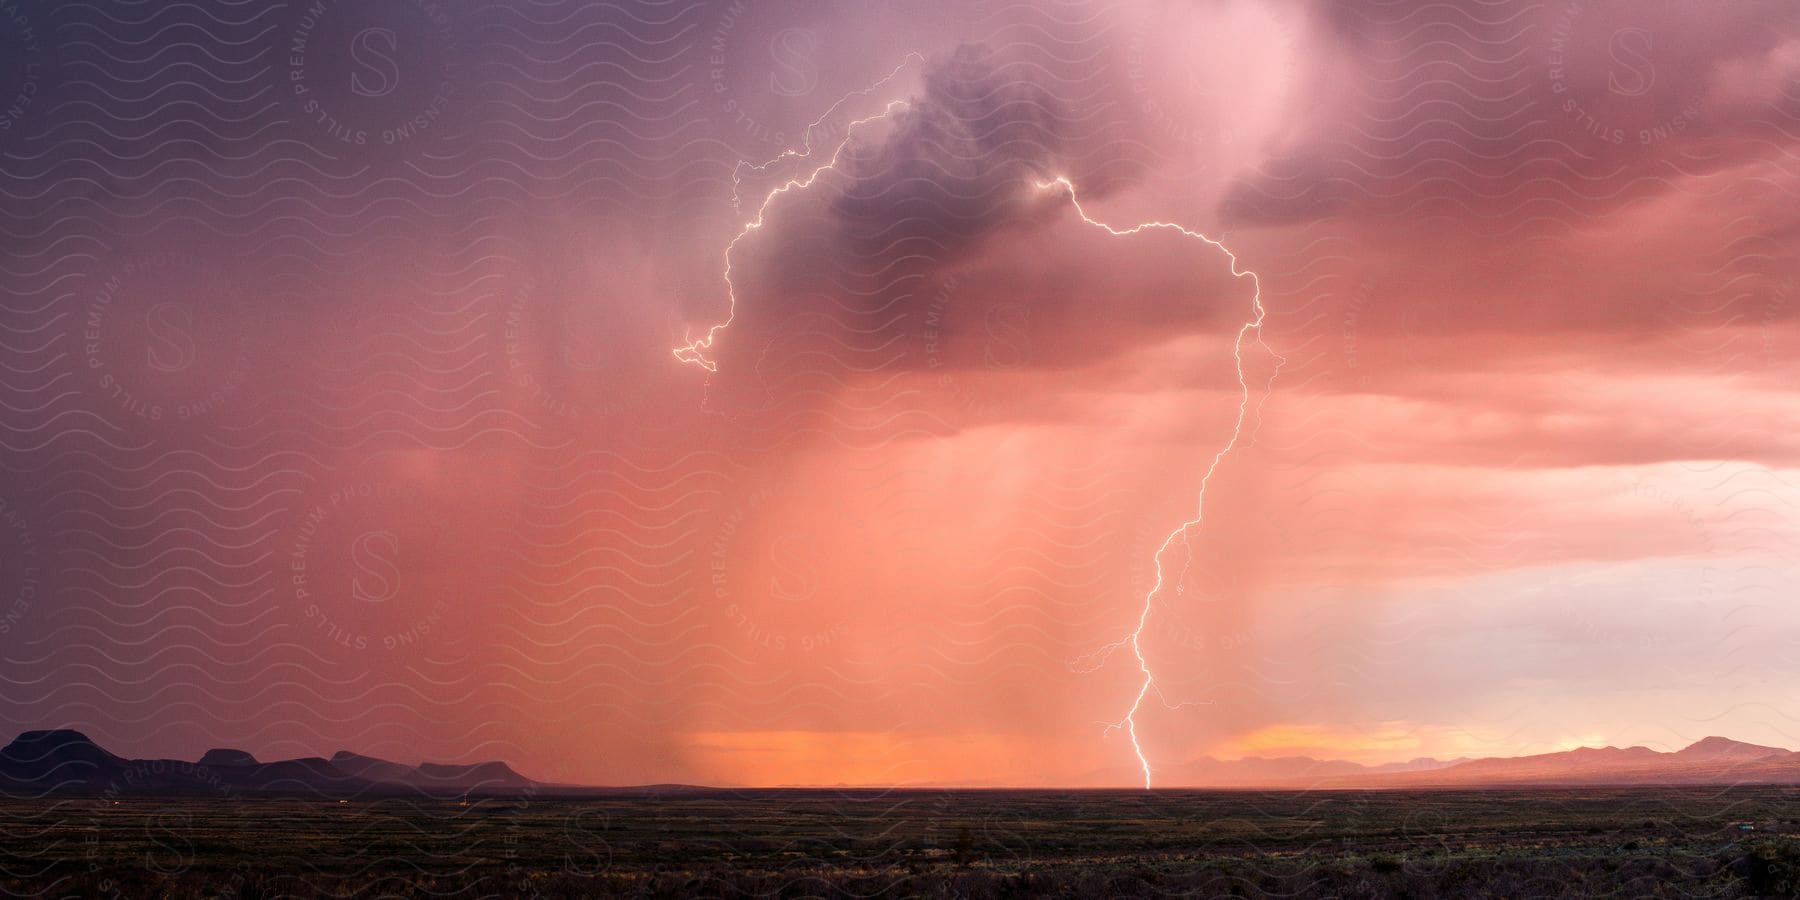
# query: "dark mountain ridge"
[[63, 761], [1708, 761], [495, 776]]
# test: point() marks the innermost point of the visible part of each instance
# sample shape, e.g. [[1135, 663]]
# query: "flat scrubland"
[[1594, 842]]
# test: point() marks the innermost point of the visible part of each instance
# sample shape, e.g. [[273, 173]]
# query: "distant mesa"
[[62, 761], [49, 748], [224, 756], [433, 776], [477, 775], [55, 756], [373, 769]]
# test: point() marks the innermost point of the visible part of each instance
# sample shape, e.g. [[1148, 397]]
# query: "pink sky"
[[1518, 471]]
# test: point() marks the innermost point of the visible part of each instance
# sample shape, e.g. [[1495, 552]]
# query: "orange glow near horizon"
[[847, 758]]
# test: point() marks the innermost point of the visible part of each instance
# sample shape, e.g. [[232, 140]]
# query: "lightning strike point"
[[1251, 327]]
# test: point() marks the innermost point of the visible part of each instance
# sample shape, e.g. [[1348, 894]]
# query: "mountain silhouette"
[[57, 757], [1718, 749], [488, 776], [1712, 760], [62, 761], [222, 756]]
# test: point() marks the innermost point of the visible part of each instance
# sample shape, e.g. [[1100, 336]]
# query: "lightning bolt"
[[1253, 326], [696, 349]]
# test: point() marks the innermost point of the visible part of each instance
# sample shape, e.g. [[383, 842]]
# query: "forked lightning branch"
[[697, 351]]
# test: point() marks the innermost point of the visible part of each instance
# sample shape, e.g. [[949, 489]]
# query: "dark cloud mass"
[[937, 217], [960, 159]]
